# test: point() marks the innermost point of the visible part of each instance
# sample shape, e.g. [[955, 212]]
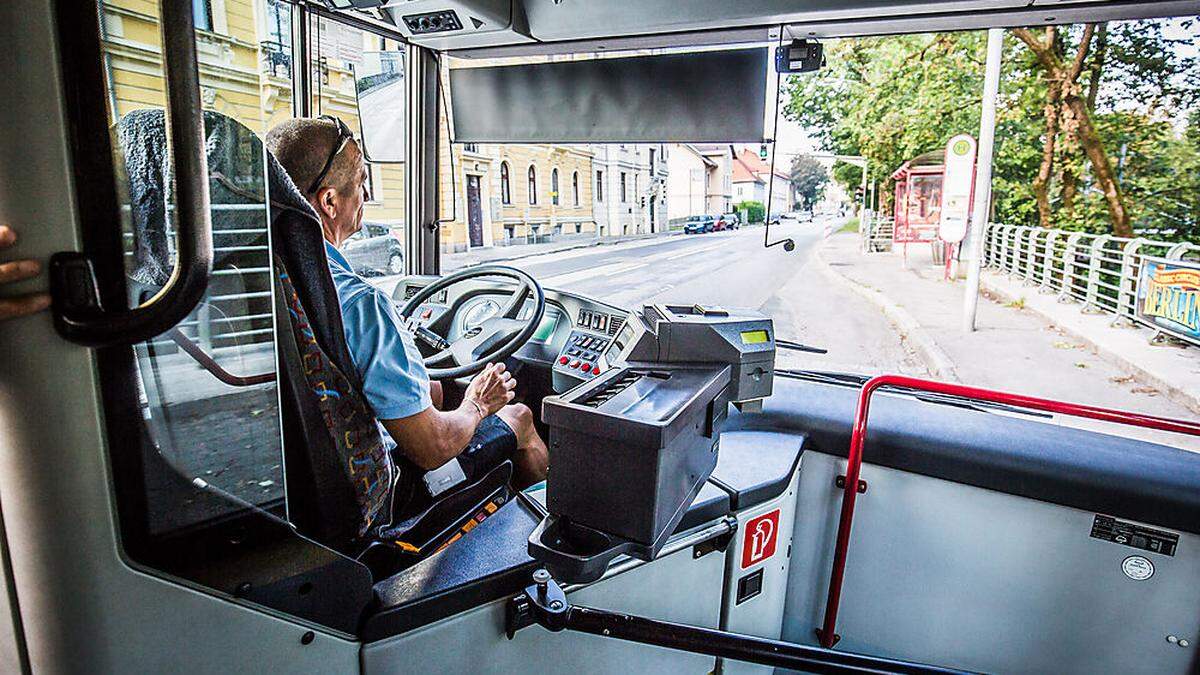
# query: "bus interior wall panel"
[[1126, 478], [686, 589], [984, 581]]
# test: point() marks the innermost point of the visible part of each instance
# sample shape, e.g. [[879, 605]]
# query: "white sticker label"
[[1137, 568]]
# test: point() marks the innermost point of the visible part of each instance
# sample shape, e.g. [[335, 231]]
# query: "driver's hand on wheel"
[[492, 389]]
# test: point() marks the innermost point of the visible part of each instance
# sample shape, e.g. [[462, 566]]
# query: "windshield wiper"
[[800, 347], [856, 381], [825, 377]]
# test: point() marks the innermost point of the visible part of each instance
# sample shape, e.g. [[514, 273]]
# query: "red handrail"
[[827, 634]]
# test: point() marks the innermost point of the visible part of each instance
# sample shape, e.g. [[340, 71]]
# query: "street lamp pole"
[[983, 174]]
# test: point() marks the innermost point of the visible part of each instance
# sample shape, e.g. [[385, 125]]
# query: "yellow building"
[[506, 194], [246, 63], [245, 72]]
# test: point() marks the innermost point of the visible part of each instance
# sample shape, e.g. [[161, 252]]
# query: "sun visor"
[[712, 96]]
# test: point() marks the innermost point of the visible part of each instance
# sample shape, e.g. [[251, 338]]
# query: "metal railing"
[[876, 233], [1099, 271]]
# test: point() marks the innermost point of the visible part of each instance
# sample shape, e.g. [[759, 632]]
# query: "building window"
[[599, 186], [575, 187], [505, 186], [471, 147], [652, 161], [202, 10], [532, 185], [554, 186], [624, 197], [636, 193]]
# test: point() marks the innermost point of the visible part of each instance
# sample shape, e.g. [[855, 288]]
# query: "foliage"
[[809, 179], [850, 226], [890, 99], [750, 211]]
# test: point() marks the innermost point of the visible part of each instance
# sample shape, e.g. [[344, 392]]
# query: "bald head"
[[302, 146]]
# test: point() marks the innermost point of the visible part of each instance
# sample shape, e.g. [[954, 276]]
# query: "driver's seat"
[[344, 488]]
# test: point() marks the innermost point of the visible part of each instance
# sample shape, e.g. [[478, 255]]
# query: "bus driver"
[[327, 166]]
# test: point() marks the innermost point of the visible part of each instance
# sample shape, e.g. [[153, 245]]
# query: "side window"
[[195, 429]]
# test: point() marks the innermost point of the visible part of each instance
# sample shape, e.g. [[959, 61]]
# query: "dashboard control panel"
[[585, 353]]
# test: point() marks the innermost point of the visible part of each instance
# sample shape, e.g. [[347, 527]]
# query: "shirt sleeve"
[[388, 361]]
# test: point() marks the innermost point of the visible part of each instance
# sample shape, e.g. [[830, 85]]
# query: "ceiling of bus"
[[544, 26]]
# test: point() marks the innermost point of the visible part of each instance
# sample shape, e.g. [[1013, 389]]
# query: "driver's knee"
[[520, 418]]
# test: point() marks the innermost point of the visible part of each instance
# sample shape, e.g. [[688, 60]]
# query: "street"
[[733, 269]]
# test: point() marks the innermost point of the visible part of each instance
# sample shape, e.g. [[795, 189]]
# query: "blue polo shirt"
[[392, 369]]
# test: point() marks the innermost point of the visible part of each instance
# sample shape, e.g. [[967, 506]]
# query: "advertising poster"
[[1168, 297]]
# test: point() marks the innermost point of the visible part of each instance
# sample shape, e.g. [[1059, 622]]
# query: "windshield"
[[873, 159]]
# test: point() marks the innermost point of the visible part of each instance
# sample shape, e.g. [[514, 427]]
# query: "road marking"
[[596, 272]]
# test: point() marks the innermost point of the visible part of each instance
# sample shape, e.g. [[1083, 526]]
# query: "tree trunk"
[[1041, 184], [1067, 75], [1106, 180]]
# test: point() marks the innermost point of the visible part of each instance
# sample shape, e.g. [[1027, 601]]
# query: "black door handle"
[[78, 313]]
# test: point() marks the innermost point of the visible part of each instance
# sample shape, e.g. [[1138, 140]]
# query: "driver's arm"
[[433, 437]]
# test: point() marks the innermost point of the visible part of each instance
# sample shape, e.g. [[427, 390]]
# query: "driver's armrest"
[[441, 524]]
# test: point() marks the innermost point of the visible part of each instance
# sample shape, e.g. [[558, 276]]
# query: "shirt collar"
[[336, 257]]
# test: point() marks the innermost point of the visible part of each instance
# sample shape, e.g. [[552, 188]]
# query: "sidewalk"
[[1024, 343], [495, 254]]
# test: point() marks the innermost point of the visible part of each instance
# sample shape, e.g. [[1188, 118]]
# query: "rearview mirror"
[[381, 94]]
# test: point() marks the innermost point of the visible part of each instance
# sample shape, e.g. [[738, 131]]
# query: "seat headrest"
[[241, 174]]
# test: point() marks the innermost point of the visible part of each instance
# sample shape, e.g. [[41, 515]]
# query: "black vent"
[[614, 325], [600, 396]]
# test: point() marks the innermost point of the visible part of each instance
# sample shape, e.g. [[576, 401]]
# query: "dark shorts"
[[494, 441]]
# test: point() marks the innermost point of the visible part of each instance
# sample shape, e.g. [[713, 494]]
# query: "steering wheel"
[[497, 338]]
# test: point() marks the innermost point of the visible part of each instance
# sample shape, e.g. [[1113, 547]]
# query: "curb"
[[590, 244], [1188, 399], [936, 360]]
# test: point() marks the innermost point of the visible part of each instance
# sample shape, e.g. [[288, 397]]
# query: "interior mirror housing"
[[802, 56]]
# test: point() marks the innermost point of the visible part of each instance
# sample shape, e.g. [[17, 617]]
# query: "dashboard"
[[578, 337]]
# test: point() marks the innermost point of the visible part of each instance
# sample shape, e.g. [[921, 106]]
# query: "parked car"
[[374, 251], [700, 224], [728, 221], [804, 216]]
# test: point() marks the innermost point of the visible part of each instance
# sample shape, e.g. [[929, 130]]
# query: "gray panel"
[[761, 615], [676, 588], [717, 96], [953, 575], [82, 608]]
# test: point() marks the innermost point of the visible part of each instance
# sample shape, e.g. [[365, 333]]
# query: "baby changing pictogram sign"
[[761, 535]]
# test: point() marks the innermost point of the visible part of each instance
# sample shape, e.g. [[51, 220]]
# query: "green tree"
[[809, 179], [750, 212], [1095, 141]]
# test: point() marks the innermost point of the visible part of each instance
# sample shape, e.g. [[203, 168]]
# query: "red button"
[[427, 313], [574, 364], [595, 370], [563, 360]]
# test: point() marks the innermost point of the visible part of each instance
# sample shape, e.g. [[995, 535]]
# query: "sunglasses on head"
[[344, 137]]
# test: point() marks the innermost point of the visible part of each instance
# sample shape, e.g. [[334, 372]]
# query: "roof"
[[695, 150], [933, 158], [752, 167]]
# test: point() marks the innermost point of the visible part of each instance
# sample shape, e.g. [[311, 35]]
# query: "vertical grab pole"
[[858, 434], [826, 634]]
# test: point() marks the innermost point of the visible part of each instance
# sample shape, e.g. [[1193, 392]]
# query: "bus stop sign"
[[958, 180]]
